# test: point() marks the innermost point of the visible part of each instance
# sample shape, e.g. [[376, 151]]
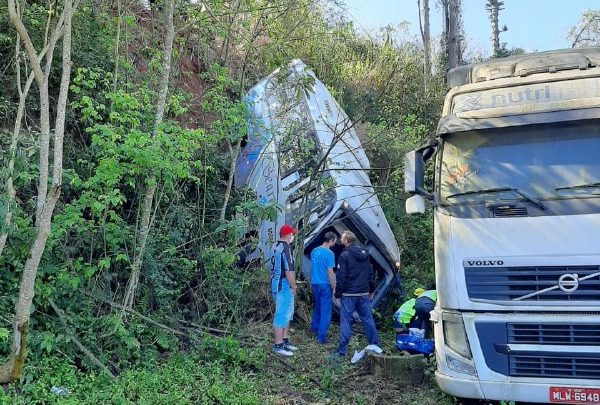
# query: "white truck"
[[516, 206]]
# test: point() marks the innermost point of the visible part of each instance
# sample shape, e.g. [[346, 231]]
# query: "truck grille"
[[574, 366], [554, 334], [508, 283]]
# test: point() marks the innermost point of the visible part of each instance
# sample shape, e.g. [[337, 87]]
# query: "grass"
[[229, 371]]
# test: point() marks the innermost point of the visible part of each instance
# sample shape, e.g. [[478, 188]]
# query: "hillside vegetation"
[[137, 297]]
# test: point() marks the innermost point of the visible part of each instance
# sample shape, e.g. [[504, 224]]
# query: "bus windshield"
[[541, 162]]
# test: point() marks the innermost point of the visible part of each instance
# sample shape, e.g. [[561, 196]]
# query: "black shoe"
[[281, 350]]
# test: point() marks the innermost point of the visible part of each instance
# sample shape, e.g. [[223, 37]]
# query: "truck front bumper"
[[520, 391]]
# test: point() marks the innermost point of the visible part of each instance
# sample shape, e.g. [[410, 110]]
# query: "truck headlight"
[[459, 366], [455, 335]]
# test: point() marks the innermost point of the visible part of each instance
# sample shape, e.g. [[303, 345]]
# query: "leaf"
[[4, 334]]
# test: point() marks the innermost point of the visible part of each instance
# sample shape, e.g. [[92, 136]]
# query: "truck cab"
[[516, 197]]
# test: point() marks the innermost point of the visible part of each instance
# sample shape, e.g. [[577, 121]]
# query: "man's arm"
[[291, 278], [331, 277], [330, 273], [290, 274]]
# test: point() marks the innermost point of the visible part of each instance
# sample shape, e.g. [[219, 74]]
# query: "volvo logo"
[[568, 282], [484, 263]]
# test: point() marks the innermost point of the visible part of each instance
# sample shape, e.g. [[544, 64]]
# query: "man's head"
[[286, 233], [329, 239], [348, 238]]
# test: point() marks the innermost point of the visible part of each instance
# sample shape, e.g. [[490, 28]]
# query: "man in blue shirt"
[[322, 280]]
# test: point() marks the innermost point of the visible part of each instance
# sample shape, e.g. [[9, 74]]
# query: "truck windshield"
[[545, 162]]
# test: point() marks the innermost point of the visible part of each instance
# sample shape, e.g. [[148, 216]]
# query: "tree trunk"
[[234, 152], [452, 22], [10, 189], [11, 370], [494, 7], [426, 37], [148, 199]]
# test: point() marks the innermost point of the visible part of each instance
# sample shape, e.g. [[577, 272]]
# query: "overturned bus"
[[303, 153]]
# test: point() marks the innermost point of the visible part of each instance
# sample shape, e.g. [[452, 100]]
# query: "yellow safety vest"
[[406, 311], [431, 294]]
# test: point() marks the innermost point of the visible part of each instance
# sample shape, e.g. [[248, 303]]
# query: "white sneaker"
[[288, 346], [282, 351]]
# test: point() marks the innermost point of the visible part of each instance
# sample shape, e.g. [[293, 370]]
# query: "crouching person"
[[424, 304], [406, 314], [414, 313], [283, 288]]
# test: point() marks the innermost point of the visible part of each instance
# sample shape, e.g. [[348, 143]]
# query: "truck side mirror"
[[415, 204], [413, 171]]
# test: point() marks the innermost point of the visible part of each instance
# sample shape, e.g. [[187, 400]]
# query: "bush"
[[214, 373]]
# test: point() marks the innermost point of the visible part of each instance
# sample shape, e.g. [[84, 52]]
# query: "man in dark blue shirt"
[[322, 281]]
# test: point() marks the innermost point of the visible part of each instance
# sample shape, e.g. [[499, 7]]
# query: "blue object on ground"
[[59, 390], [415, 344]]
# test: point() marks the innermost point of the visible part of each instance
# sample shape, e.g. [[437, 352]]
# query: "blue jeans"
[[321, 317], [362, 305]]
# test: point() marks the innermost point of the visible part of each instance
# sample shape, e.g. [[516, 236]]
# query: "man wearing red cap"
[[283, 288]]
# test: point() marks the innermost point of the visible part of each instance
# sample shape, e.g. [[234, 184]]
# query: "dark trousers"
[[423, 306], [321, 317], [362, 305]]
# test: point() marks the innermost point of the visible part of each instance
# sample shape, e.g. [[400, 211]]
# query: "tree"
[[452, 34], [426, 37], [47, 198], [587, 30], [10, 189], [148, 200], [493, 7]]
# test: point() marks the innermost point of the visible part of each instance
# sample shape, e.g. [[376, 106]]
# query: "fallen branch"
[[205, 328], [143, 317], [80, 345]]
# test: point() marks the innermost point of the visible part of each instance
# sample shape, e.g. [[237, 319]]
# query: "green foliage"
[[188, 272], [193, 378], [222, 99], [225, 287]]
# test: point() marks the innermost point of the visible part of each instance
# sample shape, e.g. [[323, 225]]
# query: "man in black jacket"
[[355, 286]]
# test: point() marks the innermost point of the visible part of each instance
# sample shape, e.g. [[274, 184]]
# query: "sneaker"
[[281, 350], [322, 341], [288, 346]]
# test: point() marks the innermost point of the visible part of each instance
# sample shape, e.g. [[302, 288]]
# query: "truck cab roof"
[[525, 65], [536, 88]]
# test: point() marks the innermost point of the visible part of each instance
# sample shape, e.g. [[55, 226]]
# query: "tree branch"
[[80, 345]]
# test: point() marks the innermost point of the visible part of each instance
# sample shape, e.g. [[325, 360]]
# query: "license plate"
[[570, 395]]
